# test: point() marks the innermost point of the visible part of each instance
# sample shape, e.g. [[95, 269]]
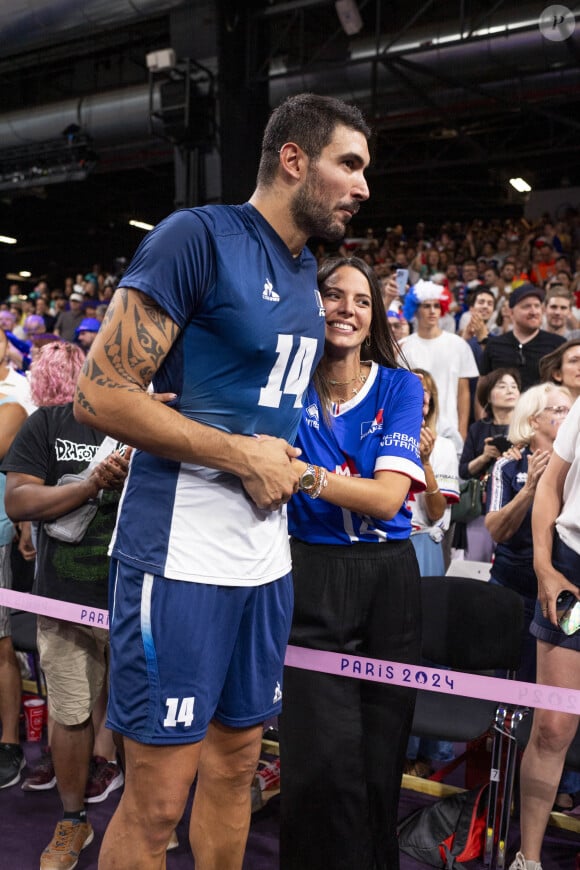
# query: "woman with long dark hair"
[[356, 586]]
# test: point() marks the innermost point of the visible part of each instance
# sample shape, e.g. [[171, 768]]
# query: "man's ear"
[[293, 160]]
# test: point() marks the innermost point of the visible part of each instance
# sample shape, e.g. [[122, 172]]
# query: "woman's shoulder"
[[399, 376]]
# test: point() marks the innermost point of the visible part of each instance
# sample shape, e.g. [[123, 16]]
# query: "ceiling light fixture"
[[520, 184], [7, 240], [141, 225]]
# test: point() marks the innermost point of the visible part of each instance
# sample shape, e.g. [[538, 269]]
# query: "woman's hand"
[[390, 290], [513, 452], [426, 444], [550, 584], [490, 453], [537, 463]]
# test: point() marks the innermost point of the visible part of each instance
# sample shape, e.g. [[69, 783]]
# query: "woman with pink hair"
[[54, 373]]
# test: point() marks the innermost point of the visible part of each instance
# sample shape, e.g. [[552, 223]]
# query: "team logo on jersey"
[[319, 303], [277, 694], [376, 425], [521, 477], [313, 416], [268, 293]]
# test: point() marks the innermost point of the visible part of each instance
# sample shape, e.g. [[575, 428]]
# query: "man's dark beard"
[[311, 217]]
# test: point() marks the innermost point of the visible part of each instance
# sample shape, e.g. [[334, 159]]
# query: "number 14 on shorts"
[[182, 717]]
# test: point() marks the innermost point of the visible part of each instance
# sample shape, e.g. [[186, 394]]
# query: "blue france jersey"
[[377, 430], [252, 331]]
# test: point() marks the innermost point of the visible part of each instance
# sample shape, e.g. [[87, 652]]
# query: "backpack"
[[448, 831]]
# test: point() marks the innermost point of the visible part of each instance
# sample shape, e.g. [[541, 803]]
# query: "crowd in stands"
[[479, 298]]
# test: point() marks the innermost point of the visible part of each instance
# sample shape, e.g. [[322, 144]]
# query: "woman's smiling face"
[[348, 304]]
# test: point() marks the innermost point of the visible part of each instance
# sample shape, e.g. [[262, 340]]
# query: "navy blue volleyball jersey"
[[252, 331]]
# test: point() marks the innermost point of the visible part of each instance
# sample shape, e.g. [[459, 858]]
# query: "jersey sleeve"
[[500, 490], [399, 445], [174, 265]]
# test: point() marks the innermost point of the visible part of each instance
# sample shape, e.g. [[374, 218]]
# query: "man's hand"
[[270, 479]]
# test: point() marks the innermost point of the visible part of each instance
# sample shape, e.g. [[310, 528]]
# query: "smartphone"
[[402, 277], [568, 612], [501, 442]]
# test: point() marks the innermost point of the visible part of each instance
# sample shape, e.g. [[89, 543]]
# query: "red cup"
[[34, 713]]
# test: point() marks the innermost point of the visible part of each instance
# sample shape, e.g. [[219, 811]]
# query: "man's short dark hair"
[[480, 291], [309, 120]]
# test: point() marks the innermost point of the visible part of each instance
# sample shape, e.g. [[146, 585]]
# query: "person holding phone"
[[511, 490], [497, 393], [556, 531]]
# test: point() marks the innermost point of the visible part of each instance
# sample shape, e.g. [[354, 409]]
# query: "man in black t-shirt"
[[50, 444], [526, 344]]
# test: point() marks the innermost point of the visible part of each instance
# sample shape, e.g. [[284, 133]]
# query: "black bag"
[[470, 504], [448, 831]]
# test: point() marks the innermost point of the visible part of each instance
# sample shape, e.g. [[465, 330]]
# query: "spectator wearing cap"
[[33, 325], [526, 343], [67, 321], [446, 356], [86, 331]]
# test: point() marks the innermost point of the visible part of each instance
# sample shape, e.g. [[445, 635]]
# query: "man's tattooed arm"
[[134, 340]]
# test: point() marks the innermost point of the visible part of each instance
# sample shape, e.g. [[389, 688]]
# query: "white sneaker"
[[520, 863]]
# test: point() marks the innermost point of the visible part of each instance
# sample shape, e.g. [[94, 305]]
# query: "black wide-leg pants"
[[343, 740]]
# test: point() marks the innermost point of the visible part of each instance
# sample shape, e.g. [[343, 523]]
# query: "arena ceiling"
[[462, 95]]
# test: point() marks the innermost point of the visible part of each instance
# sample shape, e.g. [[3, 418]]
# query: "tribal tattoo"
[[133, 354]]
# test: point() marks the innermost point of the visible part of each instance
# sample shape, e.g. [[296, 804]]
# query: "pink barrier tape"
[[57, 609], [342, 664], [433, 680]]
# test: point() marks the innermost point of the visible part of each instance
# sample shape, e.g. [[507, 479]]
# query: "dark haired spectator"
[[562, 366], [497, 394]]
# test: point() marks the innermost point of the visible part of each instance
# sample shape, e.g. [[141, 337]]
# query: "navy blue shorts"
[[185, 653], [567, 561]]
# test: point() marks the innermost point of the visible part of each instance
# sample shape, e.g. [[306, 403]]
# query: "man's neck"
[[524, 336], [429, 331], [274, 208]]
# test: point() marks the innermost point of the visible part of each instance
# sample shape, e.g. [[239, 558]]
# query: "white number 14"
[[185, 715], [298, 375]]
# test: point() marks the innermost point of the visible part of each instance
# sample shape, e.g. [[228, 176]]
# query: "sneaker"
[[104, 777], [520, 863], [69, 839], [11, 763], [43, 776]]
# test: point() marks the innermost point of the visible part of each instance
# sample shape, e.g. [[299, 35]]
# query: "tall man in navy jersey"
[[220, 306]]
